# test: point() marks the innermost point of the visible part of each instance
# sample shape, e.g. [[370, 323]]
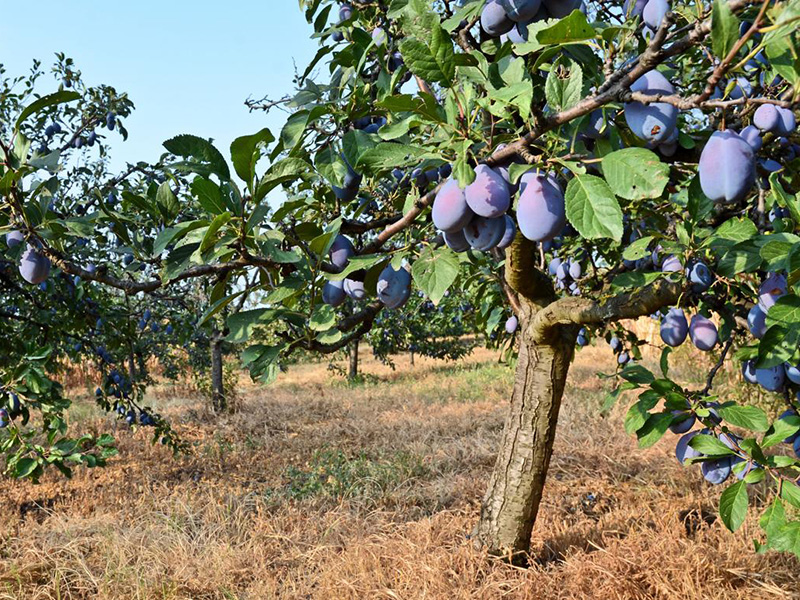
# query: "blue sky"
[[187, 66]]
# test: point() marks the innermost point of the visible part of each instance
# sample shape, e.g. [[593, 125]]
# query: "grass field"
[[318, 489]]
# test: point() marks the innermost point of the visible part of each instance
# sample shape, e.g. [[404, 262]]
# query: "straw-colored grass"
[[317, 489]]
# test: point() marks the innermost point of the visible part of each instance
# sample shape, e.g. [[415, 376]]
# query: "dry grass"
[[320, 490]]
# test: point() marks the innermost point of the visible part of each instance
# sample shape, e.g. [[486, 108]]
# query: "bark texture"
[[517, 482], [218, 400], [353, 371], [548, 328]]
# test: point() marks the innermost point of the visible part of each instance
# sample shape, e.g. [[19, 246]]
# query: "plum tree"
[[607, 224]]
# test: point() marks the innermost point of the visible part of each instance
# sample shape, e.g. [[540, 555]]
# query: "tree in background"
[[595, 164]]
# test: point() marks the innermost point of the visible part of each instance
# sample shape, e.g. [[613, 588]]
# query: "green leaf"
[[632, 280], [324, 318], [780, 430], [709, 445], [208, 195], [787, 539], [288, 169], [748, 417], [791, 493], [390, 155], [654, 429], [733, 505], [782, 41], [572, 28], [724, 28], [167, 202], [245, 152], [593, 209], [45, 102], [357, 263], [773, 519], [432, 61], [262, 362], [210, 238], [731, 232], [637, 374], [638, 249], [435, 271], [295, 127], [635, 173], [203, 151], [242, 324], [564, 85], [785, 312], [25, 467], [740, 258]]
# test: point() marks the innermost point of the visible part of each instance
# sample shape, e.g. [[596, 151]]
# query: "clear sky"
[[187, 66]]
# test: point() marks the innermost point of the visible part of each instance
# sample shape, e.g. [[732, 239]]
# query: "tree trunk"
[[516, 485], [132, 365], [412, 359], [353, 372], [218, 401]]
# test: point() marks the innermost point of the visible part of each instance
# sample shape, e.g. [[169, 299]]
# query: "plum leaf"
[[203, 151], [747, 417], [434, 62], [635, 173], [572, 28], [733, 505], [564, 84], [593, 209], [724, 28], [435, 271]]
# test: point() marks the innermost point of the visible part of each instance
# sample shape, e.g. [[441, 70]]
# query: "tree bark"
[[548, 328], [353, 352], [218, 401], [515, 489]]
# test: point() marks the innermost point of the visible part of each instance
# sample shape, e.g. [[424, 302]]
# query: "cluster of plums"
[[717, 470], [509, 19], [475, 217], [623, 356], [155, 327], [772, 379], [394, 285], [701, 330], [566, 273]]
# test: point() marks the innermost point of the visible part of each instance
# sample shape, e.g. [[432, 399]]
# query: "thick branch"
[[582, 311]]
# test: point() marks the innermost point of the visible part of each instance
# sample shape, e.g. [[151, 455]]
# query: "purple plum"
[[488, 195], [541, 212], [674, 328], [34, 266], [653, 122], [727, 167], [703, 333], [450, 210]]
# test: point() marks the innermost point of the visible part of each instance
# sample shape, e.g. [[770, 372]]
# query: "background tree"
[[627, 160]]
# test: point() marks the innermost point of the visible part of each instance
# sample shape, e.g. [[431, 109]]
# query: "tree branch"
[[582, 311]]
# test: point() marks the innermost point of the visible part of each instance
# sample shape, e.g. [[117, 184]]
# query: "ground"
[[318, 489]]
